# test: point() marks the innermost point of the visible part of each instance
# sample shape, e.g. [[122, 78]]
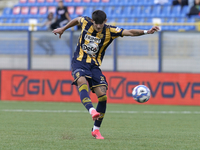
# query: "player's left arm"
[[137, 32]]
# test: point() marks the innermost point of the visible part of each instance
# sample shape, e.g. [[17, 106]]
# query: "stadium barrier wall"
[[166, 88], [166, 51]]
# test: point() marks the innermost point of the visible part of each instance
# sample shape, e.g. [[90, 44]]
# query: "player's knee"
[[81, 81], [102, 98], [101, 90]]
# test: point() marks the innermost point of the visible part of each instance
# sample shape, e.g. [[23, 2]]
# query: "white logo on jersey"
[[92, 38], [60, 12], [117, 29], [91, 48]]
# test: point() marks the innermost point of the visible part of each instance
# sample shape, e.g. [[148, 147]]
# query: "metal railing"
[[196, 24]]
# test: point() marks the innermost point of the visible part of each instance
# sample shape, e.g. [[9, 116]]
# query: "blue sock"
[[85, 98], [101, 108]]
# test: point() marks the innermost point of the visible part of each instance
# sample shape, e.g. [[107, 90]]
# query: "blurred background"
[[26, 41]]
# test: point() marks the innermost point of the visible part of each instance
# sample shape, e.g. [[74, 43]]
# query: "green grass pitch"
[[67, 126]]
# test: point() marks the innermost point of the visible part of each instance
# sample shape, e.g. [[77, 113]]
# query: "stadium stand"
[[128, 11]]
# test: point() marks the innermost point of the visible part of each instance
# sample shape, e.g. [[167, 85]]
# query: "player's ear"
[[105, 21]]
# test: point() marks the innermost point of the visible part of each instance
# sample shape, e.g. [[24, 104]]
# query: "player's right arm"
[[135, 32], [73, 22]]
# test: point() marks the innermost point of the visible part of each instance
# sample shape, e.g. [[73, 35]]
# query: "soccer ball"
[[141, 93]]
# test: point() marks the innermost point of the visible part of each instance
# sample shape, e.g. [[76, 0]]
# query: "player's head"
[[98, 20], [60, 3]]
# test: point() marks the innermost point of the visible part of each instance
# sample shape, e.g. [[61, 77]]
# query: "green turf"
[[122, 131]]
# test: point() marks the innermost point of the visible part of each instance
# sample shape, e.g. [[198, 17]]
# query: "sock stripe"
[[102, 98], [102, 115], [83, 87]]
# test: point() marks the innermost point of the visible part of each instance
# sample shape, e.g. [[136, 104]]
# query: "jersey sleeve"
[[85, 20], [116, 32], [82, 20]]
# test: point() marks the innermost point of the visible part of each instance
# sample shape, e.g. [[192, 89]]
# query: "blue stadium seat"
[[33, 12], [133, 2], [140, 20], [121, 20], [148, 20], [90, 2], [130, 20], [116, 11], [75, 3], [31, 2], [41, 1], [18, 20], [148, 2], [110, 20], [136, 11], [156, 10], [191, 20], [7, 12], [186, 27], [79, 11], [112, 3], [176, 11], [26, 20], [71, 11], [86, 2], [172, 20], [108, 10], [166, 11], [144, 2], [71, 3], [181, 20], [96, 1], [163, 20], [38, 3], [16, 10], [88, 11], [9, 20], [122, 3], [23, 2], [127, 11], [146, 11], [184, 11], [43, 11]]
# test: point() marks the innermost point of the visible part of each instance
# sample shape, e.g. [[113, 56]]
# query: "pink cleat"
[[95, 115], [97, 134]]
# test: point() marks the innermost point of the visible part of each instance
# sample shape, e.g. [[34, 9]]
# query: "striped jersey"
[[92, 45]]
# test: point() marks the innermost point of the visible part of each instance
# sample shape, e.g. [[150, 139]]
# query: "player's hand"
[[58, 31], [153, 29]]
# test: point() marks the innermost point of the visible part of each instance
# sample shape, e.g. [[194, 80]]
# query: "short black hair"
[[99, 16]]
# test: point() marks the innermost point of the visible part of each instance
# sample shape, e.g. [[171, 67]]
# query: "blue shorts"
[[91, 72]]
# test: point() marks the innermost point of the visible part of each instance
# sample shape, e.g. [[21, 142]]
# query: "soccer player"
[[95, 37]]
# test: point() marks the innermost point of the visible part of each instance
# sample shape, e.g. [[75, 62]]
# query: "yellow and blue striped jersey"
[[92, 45]]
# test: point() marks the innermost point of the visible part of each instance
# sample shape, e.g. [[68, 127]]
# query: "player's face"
[[98, 27], [60, 4]]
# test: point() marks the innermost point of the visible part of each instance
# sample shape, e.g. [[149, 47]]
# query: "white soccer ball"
[[141, 93]]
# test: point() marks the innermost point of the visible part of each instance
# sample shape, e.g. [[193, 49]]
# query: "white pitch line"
[[118, 112]]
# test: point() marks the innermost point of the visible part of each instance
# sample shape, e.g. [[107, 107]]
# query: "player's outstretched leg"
[[86, 101], [101, 108]]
